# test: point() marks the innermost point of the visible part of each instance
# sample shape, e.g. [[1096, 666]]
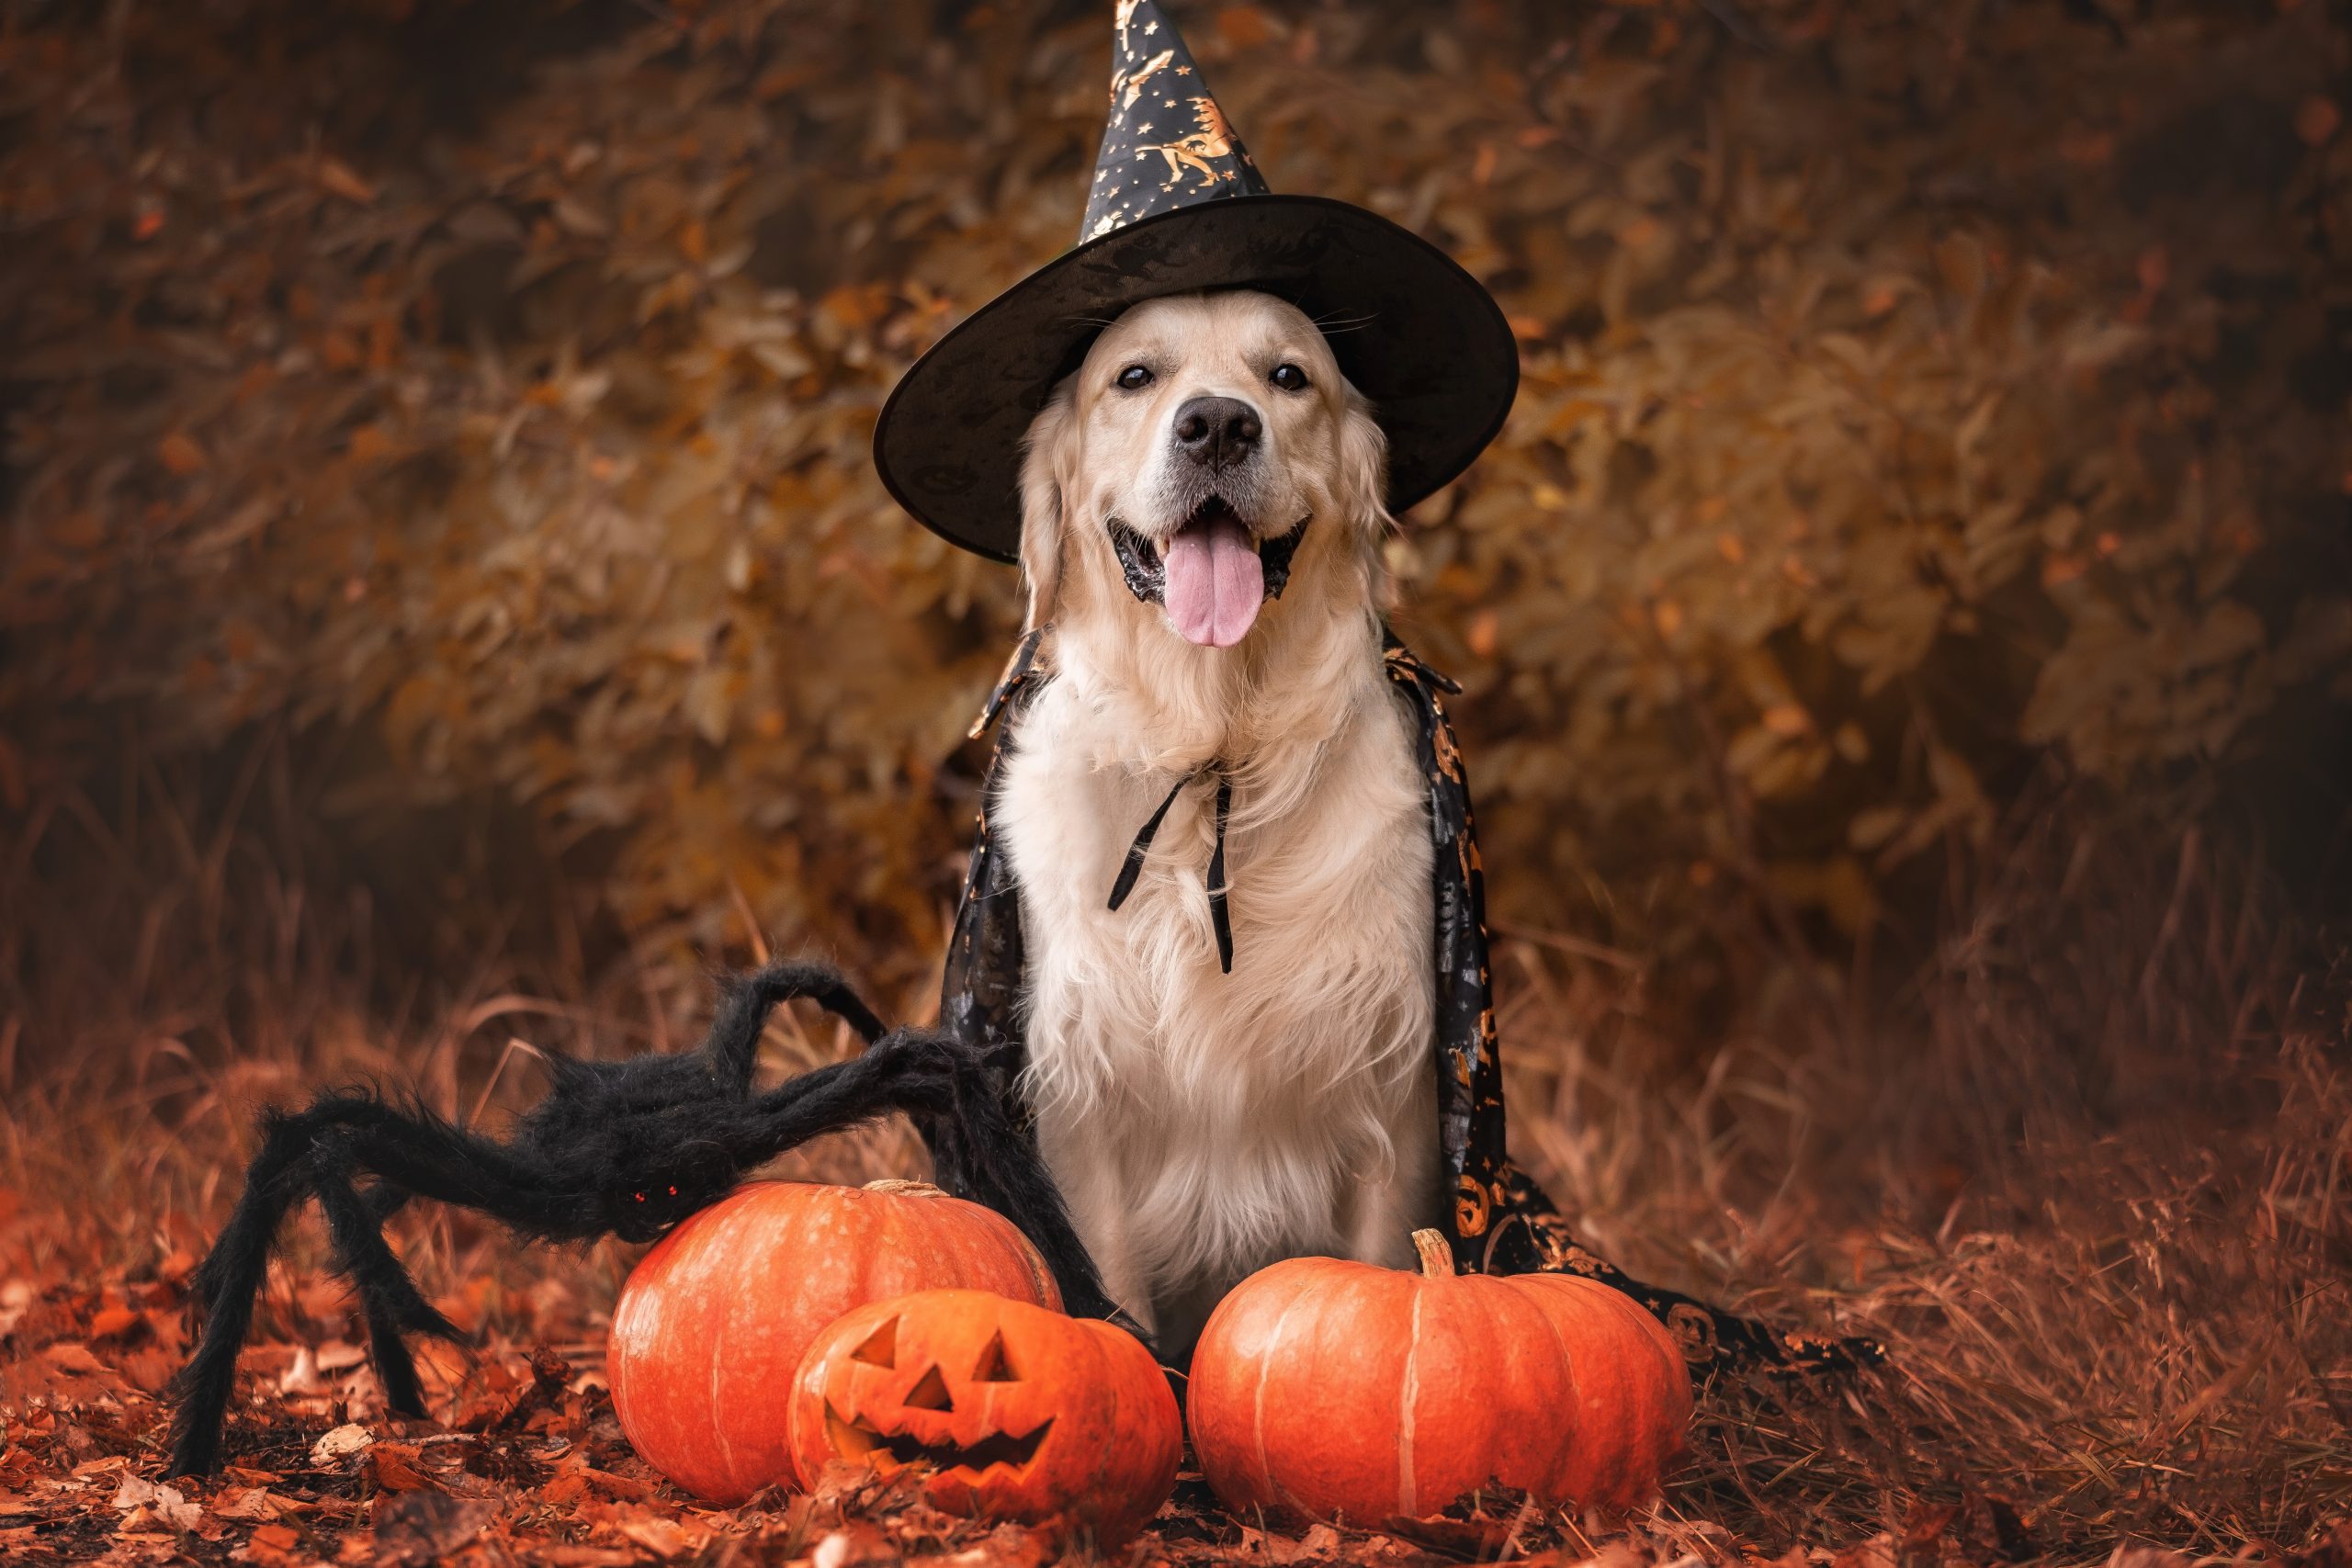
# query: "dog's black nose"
[[1218, 431]]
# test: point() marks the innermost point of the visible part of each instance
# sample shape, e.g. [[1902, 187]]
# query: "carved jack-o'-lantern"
[[1014, 1412], [715, 1319]]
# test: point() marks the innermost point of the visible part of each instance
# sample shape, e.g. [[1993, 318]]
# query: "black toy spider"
[[626, 1148]]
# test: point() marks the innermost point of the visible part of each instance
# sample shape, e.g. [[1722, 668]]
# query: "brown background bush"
[[1919, 403]]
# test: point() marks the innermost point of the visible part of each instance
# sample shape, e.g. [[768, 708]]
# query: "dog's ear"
[[1045, 463], [1363, 471]]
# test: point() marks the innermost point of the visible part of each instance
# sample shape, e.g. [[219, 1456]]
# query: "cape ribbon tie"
[[1132, 868]]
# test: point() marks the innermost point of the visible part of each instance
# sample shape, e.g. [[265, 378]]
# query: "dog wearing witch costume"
[[1220, 1078], [1223, 927]]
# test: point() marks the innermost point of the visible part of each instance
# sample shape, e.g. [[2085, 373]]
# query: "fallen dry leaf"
[[146, 1505], [272, 1545], [179, 453], [340, 1356], [666, 1538], [857, 1545], [302, 1376], [71, 1356], [251, 1503], [417, 1528], [341, 1444], [393, 1467], [15, 1295], [112, 1321]]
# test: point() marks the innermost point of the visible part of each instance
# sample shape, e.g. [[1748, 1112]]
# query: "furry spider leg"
[[980, 1150], [947, 1087], [978, 1153], [732, 1046], [389, 1297], [225, 1286], [313, 1153], [936, 1078]]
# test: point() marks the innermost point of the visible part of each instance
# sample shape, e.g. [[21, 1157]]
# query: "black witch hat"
[[1178, 205]]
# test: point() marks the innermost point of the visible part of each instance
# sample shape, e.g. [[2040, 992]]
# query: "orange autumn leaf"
[[179, 453]]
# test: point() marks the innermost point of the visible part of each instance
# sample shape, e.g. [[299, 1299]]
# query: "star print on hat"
[[1167, 143], [1177, 205]]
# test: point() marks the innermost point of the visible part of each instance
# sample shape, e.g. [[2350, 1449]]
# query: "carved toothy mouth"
[[855, 1437]]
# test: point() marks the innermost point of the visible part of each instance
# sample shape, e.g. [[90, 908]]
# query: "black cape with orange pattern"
[[1499, 1221]]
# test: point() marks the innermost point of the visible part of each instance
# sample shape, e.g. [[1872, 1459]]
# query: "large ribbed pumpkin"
[[1010, 1412], [715, 1319], [1332, 1390]]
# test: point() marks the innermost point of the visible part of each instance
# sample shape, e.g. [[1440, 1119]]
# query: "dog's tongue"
[[1215, 582]]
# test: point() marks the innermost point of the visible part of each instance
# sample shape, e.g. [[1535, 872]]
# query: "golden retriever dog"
[[1202, 515]]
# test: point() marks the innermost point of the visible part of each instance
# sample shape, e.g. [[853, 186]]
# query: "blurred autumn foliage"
[[1919, 402]]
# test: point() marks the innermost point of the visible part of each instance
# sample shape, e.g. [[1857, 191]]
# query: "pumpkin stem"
[[900, 1187], [1437, 1256]]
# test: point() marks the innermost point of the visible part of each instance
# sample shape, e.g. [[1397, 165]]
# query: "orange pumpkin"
[[1015, 1411], [1335, 1390], [715, 1319]]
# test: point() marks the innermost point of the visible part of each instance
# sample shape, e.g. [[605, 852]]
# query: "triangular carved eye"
[[931, 1393], [881, 1347], [994, 1367]]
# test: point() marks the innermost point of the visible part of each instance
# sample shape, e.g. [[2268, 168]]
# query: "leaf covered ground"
[[523, 1461], [2128, 1344]]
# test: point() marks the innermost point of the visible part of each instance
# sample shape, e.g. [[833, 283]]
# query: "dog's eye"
[[1135, 378], [1289, 378]]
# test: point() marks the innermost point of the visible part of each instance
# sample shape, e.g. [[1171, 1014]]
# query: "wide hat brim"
[[1412, 331]]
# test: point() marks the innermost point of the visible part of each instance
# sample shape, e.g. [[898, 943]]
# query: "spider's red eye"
[[674, 1192], [640, 1197]]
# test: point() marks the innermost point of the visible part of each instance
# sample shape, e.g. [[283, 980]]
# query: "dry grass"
[[2091, 1183], [2090, 1179], [165, 976]]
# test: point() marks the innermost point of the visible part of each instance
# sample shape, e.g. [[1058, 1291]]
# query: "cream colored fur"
[[1203, 1124]]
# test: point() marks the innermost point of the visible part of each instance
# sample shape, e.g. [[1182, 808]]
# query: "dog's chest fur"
[[1204, 1123]]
